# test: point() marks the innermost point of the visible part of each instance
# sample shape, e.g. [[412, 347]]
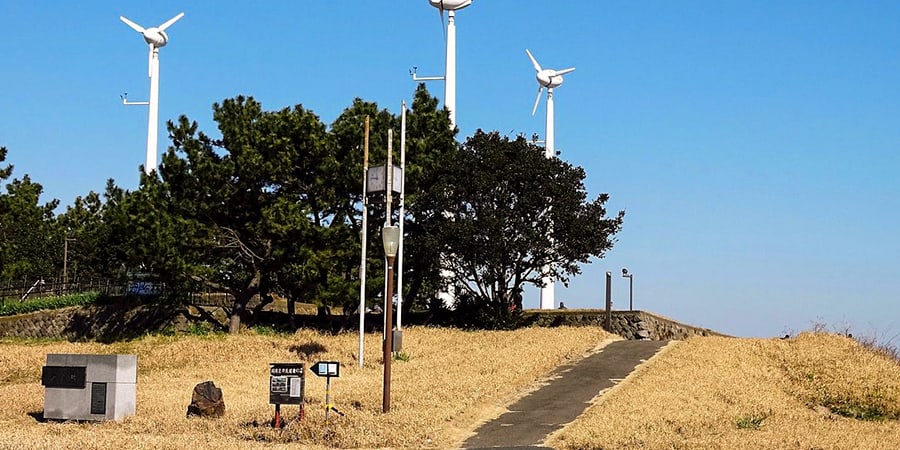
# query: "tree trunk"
[[291, 310], [234, 325]]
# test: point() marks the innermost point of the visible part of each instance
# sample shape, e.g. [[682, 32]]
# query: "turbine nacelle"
[[546, 78], [450, 5], [550, 78], [156, 37]]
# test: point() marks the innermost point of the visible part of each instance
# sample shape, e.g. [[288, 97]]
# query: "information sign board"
[[286, 383]]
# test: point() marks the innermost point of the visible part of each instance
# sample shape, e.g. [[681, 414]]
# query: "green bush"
[[13, 307]]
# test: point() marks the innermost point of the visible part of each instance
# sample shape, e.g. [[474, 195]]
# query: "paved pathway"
[[569, 392]]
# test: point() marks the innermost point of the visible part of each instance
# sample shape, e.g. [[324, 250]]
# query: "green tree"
[[30, 244], [227, 206], [510, 211], [96, 246], [431, 146]]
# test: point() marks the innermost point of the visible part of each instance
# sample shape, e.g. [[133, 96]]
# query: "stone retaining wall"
[[99, 322], [631, 325], [127, 320]]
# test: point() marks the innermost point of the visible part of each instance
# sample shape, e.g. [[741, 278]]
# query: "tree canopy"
[[506, 212], [271, 204]]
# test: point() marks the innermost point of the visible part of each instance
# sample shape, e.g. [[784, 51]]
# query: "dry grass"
[[723, 393], [452, 380]]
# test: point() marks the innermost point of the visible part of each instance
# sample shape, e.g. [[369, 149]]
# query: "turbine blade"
[[537, 67], [565, 71], [131, 24], [150, 62], [170, 22], [537, 100]]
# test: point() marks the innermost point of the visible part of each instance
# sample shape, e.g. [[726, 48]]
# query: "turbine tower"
[[451, 6], [155, 37], [547, 78]]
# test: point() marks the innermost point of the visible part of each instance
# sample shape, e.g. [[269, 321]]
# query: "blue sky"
[[755, 145]]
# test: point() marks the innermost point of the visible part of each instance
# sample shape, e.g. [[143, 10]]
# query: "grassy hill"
[[816, 391]]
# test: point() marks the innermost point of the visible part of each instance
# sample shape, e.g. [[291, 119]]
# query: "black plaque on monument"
[[65, 377], [98, 398]]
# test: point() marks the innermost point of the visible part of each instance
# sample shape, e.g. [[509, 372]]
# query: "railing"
[[25, 289], [21, 290]]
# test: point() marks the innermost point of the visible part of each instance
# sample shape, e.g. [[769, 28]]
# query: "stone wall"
[[128, 319], [104, 323], [631, 325]]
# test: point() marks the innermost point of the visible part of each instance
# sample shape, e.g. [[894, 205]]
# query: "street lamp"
[[390, 236], [630, 277]]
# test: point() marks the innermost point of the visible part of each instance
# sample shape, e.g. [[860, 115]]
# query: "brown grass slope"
[[451, 379], [816, 391]]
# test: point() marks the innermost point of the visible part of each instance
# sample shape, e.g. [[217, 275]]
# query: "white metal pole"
[[402, 209], [388, 196], [153, 115], [547, 291], [450, 72], [364, 237]]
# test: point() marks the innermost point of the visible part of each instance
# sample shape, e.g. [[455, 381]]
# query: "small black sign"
[[65, 377], [98, 398], [327, 369]]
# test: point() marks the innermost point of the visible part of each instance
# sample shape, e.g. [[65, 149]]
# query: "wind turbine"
[[451, 6], [155, 37], [547, 78]]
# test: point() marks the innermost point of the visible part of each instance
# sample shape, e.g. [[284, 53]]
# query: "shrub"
[[12, 308]]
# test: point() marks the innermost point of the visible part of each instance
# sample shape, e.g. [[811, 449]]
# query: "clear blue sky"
[[754, 144]]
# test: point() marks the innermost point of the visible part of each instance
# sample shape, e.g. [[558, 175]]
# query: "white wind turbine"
[[155, 37], [451, 6], [547, 78]]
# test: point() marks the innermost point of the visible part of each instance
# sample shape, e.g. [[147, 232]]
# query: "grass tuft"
[[751, 421]]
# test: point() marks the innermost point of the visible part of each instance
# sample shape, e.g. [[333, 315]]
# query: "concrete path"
[[569, 393]]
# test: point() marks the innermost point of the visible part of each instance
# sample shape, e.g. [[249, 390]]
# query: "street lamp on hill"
[[630, 277], [390, 236]]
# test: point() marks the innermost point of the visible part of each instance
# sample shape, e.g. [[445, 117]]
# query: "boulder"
[[206, 401]]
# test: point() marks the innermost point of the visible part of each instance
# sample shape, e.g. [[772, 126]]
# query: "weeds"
[[752, 421]]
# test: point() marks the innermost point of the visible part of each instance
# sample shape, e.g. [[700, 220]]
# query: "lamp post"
[[630, 277], [390, 236]]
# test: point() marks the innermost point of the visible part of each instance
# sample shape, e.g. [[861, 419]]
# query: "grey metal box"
[[109, 393]]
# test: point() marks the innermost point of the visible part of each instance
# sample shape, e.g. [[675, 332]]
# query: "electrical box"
[[376, 179], [89, 387], [286, 383], [397, 341]]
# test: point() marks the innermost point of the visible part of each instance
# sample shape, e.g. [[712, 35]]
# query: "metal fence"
[[25, 289]]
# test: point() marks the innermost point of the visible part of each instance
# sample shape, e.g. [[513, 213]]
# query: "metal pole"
[[364, 238], [548, 290], [402, 209], [65, 265], [153, 113], [388, 338], [388, 196], [609, 301], [327, 398], [631, 292], [450, 68]]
